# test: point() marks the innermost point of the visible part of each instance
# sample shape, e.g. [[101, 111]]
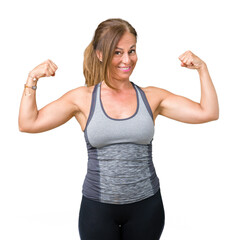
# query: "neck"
[[120, 85]]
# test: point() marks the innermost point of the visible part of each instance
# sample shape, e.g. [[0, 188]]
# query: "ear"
[[99, 55]]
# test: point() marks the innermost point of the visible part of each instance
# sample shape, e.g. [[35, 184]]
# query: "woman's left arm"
[[185, 110]]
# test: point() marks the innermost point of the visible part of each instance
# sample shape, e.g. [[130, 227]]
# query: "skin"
[[119, 103]]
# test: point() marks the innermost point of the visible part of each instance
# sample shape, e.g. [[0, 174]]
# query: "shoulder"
[[155, 96], [155, 92], [79, 93]]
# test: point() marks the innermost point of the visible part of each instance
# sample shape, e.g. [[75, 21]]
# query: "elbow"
[[208, 116], [24, 128], [217, 117], [21, 129], [213, 117], [29, 128], [20, 126]]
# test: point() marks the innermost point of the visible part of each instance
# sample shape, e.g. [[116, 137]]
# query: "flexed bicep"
[[181, 109], [55, 114], [186, 110], [52, 115]]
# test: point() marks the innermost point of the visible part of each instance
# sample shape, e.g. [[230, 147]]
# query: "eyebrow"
[[130, 47]]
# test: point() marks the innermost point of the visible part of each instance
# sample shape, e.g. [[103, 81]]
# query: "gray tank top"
[[120, 168]]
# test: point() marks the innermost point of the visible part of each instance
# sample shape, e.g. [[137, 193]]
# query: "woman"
[[121, 192]]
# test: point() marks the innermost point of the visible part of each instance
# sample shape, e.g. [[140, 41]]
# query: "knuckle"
[[47, 62], [45, 71], [47, 65]]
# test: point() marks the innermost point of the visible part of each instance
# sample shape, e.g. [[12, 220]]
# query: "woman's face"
[[125, 57]]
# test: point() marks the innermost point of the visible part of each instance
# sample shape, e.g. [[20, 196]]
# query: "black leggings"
[[143, 220]]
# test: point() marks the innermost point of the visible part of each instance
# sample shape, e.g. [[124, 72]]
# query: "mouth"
[[125, 69]]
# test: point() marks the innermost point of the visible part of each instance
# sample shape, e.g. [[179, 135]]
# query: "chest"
[[119, 106]]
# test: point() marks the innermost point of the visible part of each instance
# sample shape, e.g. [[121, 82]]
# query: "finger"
[[50, 68], [183, 65], [53, 68], [189, 52], [184, 60], [49, 63], [53, 64], [50, 72], [182, 56], [47, 72], [186, 53], [189, 61]]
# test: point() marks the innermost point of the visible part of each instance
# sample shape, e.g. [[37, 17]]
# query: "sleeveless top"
[[120, 169]]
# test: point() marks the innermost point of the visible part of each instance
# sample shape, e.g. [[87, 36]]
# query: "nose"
[[126, 58]]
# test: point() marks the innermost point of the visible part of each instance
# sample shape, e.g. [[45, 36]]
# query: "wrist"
[[30, 86], [202, 68], [31, 81]]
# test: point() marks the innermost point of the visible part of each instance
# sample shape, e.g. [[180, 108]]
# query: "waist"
[[117, 191], [120, 173]]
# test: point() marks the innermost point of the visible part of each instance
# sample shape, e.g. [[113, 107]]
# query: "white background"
[[41, 175]]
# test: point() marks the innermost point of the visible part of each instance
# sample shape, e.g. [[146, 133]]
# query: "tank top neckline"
[[119, 119]]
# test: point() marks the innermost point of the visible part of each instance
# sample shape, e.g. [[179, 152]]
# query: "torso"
[[118, 106]]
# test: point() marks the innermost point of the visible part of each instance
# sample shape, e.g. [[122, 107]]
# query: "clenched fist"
[[190, 60], [45, 69]]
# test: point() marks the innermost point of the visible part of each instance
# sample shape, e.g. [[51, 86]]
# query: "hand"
[[45, 69], [190, 60]]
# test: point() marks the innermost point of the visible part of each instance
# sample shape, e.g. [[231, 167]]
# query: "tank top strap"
[[144, 99], [93, 103]]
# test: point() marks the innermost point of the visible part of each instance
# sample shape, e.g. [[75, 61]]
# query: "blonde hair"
[[105, 40]]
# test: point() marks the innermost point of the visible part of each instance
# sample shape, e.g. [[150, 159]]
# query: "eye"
[[132, 51], [117, 52]]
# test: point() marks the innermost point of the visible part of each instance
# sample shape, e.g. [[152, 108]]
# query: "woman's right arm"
[[54, 114]]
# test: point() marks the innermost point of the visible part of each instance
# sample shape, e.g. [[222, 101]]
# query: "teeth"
[[126, 68]]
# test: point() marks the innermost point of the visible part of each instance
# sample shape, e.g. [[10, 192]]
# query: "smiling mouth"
[[125, 69]]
